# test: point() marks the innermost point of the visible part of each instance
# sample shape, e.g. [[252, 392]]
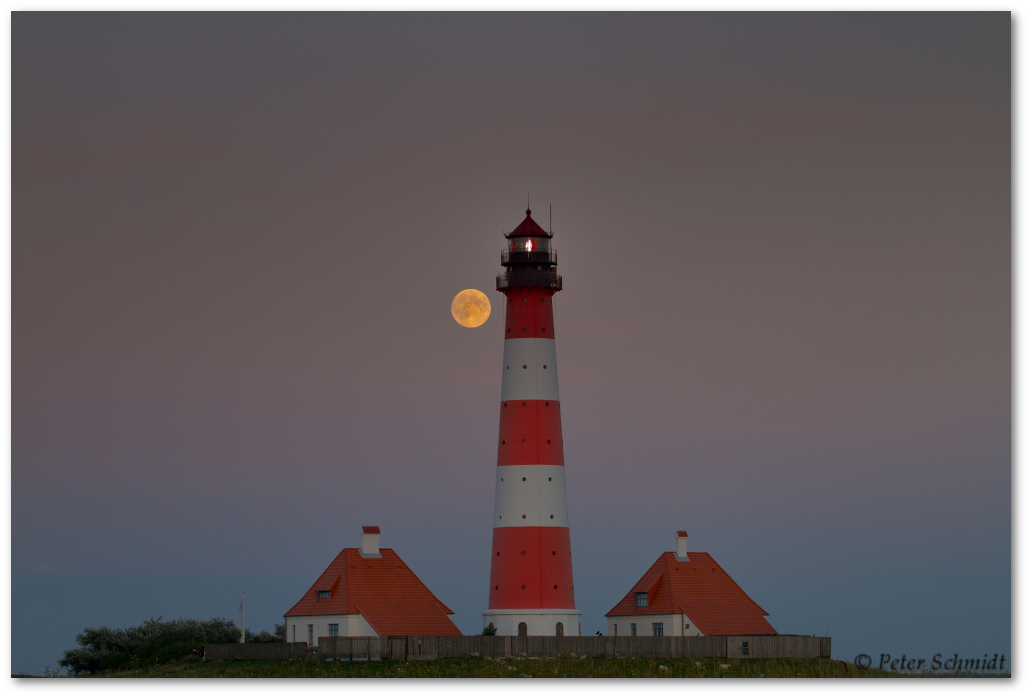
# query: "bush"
[[154, 641], [263, 638], [176, 651], [112, 661]]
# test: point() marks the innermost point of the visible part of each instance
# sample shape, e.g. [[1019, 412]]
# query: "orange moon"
[[470, 308]]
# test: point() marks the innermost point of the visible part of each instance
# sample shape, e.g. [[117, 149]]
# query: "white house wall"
[[350, 625], [673, 625]]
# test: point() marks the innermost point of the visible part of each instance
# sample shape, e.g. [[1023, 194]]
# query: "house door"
[[523, 629], [559, 629]]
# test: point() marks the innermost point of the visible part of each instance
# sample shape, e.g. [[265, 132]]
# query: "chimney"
[[681, 545], [370, 541]]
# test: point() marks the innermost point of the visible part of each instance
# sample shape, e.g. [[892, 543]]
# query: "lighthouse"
[[531, 590]]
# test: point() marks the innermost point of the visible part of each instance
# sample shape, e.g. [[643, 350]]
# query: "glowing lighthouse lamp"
[[531, 589]]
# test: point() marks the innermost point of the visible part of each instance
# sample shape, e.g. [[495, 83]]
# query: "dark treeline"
[[153, 642]]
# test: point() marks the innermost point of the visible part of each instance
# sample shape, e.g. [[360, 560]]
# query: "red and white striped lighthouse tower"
[[531, 562]]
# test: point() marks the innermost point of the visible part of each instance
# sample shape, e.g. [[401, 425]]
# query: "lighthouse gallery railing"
[[531, 279]]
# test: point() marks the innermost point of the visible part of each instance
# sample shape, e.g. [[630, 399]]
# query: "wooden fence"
[[277, 651], [777, 646], [400, 648]]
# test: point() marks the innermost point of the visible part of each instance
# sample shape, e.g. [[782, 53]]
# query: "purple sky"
[[786, 249]]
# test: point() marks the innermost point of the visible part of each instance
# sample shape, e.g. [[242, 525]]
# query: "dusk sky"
[[786, 246]]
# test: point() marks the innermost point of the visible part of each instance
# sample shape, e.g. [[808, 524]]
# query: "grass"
[[514, 668]]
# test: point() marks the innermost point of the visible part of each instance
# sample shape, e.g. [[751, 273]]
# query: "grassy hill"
[[513, 668]]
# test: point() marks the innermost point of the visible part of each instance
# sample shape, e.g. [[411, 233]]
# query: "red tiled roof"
[[384, 590], [700, 589], [528, 228]]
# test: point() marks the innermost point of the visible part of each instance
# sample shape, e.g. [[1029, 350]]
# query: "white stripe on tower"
[[530, 495], [530, 370]]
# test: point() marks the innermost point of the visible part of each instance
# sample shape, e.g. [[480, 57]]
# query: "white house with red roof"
[[686, 595], [368, 591]]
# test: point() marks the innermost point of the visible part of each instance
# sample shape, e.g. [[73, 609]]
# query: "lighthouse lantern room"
[[531, 591]]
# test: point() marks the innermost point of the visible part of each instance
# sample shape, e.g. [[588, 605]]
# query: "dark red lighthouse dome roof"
[[528, 228]]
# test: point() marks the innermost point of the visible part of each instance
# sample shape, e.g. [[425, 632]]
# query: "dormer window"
[[323, 594], [641, 599]]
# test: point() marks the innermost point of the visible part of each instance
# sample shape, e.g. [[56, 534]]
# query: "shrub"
[[103, 648], [263, 638], [176, 651], [112, 661]]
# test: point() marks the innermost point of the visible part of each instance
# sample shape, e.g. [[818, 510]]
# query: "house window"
[[523, 629], [641, 599], [616, 633], [633, 629], [323, 594], [658, 628], [295, 632], [311, 634], [743, 648], [334, 630], [559, 629], [686, 626]]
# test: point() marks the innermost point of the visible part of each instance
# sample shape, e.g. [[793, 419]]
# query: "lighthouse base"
[[539, 622]]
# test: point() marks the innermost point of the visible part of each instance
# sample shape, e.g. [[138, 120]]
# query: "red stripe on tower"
[[537, 558], [530, 433], [532, 316], [531, 589]]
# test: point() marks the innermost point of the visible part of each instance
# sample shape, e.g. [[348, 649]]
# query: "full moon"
[[470, 308]]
